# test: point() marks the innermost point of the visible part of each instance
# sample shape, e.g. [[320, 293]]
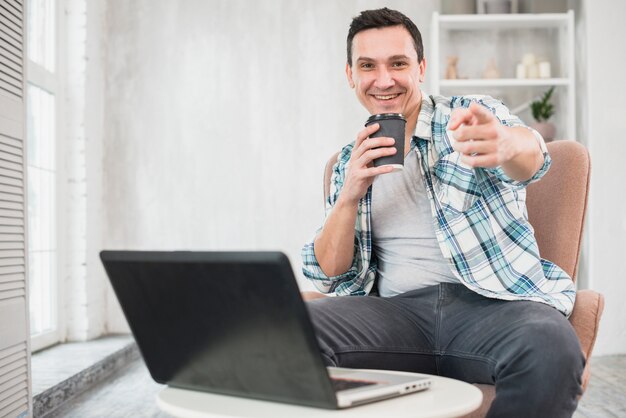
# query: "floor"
[[57, 364], [131, 393], [606, 394]]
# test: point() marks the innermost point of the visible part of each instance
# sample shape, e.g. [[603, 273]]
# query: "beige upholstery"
[[556, 209]]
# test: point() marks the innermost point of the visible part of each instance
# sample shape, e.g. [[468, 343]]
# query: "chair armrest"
[[585, 319]]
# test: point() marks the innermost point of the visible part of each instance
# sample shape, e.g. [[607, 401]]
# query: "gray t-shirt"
[[403, 234]]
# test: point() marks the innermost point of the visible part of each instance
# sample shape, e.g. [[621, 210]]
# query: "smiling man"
[[440, 257]]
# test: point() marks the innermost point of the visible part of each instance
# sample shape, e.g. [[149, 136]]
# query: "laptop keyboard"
[[345, 384]]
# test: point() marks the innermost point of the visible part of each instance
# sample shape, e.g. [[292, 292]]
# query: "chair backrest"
[[556, 204]]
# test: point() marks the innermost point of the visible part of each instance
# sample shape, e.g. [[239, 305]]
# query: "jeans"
[[527, 349]]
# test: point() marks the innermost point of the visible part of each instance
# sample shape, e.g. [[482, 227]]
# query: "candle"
[[528, 59], [532, 71], [544, 69]]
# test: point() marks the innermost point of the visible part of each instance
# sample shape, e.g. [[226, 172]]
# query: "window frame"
[[38, 76]]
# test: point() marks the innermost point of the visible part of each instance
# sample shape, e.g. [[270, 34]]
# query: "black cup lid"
[[384, 116]]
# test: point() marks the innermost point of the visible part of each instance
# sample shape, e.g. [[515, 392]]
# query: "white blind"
[[14, 346]]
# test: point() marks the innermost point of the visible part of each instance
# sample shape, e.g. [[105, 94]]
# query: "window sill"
[[66, 370]]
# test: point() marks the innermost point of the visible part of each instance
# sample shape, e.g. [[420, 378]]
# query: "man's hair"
[[382, 18]]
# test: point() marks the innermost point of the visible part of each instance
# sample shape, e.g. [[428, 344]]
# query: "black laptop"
[[234, 323]]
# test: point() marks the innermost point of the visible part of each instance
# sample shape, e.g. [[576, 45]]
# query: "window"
[[42, 132]]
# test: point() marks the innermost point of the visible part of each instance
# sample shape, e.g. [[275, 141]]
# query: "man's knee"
[[546, 359], [551, 351], [556, 344]]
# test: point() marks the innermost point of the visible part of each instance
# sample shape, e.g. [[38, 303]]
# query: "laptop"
[[234, 323]]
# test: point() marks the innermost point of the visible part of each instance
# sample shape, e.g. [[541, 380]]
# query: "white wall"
[[604, 115], [219, 118]]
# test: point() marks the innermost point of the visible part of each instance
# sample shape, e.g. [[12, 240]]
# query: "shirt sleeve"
[[310, 266], [507, 119]]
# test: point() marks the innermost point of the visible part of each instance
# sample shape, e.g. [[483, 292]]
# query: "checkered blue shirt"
[[479, 214]]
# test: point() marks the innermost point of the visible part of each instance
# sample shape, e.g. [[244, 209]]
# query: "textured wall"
[[219, 118], [604, 115]]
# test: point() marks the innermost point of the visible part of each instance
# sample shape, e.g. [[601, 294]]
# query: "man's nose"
[[384, 80]]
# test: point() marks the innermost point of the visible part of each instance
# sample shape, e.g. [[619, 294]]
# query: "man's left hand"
[[483, 141], [480, 137]]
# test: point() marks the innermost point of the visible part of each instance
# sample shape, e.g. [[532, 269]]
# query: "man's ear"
[[349, 75], [423, 70]]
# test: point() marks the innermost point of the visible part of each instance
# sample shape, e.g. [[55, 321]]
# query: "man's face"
[[385, 73]]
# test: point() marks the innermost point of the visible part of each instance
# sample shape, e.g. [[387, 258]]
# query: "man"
[[463, 290]]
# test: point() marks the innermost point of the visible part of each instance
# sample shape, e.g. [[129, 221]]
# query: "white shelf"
[[503, 21], [477, 37], [504, 82]]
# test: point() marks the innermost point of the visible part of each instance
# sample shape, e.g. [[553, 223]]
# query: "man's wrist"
[[516, 137], [344, 203], [535, 148], [525, 153]]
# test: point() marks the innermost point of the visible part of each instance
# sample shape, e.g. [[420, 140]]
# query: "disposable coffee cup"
[[392, 125]]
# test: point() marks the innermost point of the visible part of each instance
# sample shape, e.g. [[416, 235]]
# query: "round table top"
[[445, 398]]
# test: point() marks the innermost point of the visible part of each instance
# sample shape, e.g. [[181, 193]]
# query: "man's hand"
[[360, 172], [484, 142], [334, 246]]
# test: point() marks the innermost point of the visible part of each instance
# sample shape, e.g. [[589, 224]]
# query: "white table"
[[445, 398]]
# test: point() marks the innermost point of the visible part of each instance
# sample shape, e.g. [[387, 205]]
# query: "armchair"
[[556, 209]]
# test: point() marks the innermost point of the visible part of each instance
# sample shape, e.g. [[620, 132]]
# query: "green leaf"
[[542, 109]]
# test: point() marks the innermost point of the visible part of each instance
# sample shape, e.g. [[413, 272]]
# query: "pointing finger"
[[481, 113], [475, 132], [459, 116]]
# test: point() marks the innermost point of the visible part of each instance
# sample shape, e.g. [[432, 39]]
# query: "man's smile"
[[386, 96]]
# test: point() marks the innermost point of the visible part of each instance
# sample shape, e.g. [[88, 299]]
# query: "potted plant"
[[542, 111]]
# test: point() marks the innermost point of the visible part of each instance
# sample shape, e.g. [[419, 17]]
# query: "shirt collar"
[[423, 126]]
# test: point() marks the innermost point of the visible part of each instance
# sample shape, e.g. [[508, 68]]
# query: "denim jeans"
[[527, 349]]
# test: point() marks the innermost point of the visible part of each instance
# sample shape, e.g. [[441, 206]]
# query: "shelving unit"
[[506, 37], [505, 82]]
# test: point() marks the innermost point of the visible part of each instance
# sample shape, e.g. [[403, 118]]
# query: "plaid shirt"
[[479, 214]]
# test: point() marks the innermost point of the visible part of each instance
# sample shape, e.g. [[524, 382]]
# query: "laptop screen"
[[224, 322]]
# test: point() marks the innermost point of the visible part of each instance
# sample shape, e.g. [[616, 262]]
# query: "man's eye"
[[367, 66], [399, 64]]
